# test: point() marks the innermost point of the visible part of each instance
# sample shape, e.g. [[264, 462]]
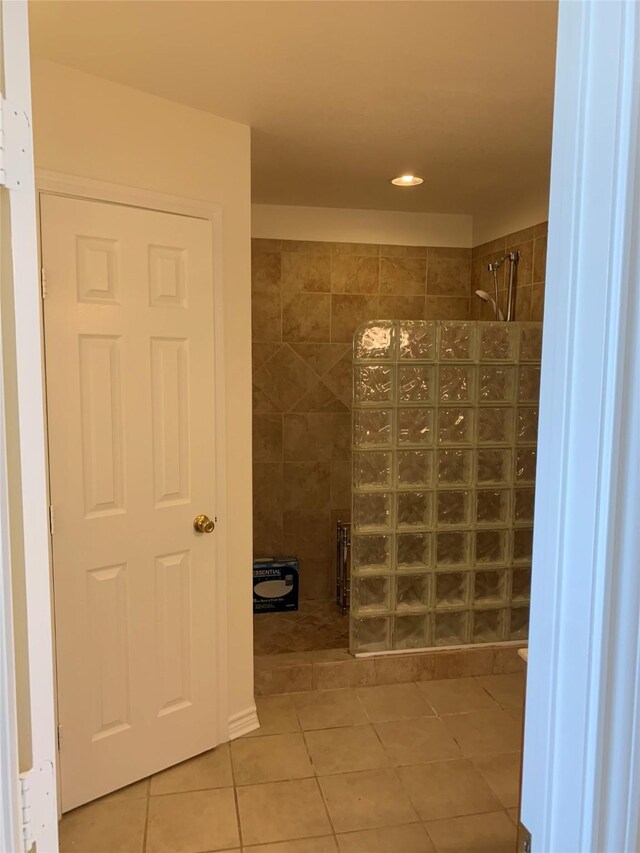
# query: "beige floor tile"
[[273, 758], [281, 811], [324, 709], [483, 833], [345, 750], [137, 791], [507, 690], [277, 716], [210, 770], [410, 838], [425, 739], [366, 800], [502, 774], [456, 695], [484, 732], [104, 827], [327, 844], [447, 789], [192, 822], [394, 702]]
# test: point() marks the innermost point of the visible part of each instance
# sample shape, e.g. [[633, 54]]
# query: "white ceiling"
[[342, 95]]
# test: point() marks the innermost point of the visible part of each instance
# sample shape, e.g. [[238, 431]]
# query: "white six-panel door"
[[130, 395]]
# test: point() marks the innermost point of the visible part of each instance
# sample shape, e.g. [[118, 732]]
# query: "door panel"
[[130, 397]]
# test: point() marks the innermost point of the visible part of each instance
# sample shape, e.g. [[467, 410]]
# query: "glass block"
[[457, 341], [491, 546], [373, 383], [495, 425], [417, 340], [375, 340], [450, 629], [452, 589], [526, 465], [371, 469], [452, 548], [372, 427], [492, 506], [456, 383], [412, 632], [414, 509], [370, 594], [413, 551], [530, 343], [454, 508], [415, 426], [521, 584], [416, 383], [496, 384], [370, 635], [415, 467], [529, 383], [522, 544], [523, 505], [527, 425], [371, 509], [519, 623], [489, 587], [371, 553], [455, 425], [413, 592], [454, 467], [498, 342], [494, 466], [489, 626]]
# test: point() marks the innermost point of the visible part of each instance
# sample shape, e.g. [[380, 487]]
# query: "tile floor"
[[404, 768], [317, 624]]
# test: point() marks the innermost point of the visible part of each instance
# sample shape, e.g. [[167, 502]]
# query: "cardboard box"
[[275, 584]]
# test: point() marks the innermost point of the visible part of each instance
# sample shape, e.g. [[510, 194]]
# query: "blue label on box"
[[275, 585]]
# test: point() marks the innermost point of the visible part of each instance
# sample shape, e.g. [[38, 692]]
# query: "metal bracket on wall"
[[15, 143], [524, 839]]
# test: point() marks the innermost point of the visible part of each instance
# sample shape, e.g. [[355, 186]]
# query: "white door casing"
[[129, 338]]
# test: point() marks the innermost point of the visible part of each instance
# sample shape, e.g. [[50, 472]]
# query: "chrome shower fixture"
[[493, 267]]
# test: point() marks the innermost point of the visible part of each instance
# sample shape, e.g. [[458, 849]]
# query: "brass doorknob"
[[203, 524]]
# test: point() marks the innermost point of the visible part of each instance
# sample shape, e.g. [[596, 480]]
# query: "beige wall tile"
[[267, 438], [284, 378], [283, 679], [279, 811], [340, 484], [306, 487], [317, 247], [305, 316], [424, 739], [354, 274], [306, 533], [199, 820], [348, 312], [262, 405], [521, 236], [116, 826], [523, 303], [321, 357], [393, 702], [539, 259], [401, 308], [507, 660], [447, 789], [403, 276], [493, 832], [410, 838], [353, 673], [340, 379], [341, 436], [372, 249], [261, 353], [273, 758], [447, 308], [266, 317], [324, 709], [364, 800], [345, 750], [316, 578], [307, 437], [319, 398], [267, 508], [306, 272], [262, 244], [456, 695], [403, 251], [448, 273], [537, 302], [484, 732], [502, 774], [265, 272], [210, 770]]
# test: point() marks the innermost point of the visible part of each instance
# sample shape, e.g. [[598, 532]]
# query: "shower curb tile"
[[286, 679], [354, 673], [460, 664]]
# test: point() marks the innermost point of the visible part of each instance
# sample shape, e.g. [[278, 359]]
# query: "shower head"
[[486, 298]]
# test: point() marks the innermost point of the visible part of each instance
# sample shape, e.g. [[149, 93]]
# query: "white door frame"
[[582, 737], [54, 183]]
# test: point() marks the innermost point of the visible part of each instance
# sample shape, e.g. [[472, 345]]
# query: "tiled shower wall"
[[308, 299]]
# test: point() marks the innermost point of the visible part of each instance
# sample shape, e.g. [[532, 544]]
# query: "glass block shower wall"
[[444, 437]]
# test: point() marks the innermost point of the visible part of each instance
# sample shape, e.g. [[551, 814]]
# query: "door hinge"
[[28, 839], [52, 521], [43, 283], [524, 838], [15, 145], [59, 737]]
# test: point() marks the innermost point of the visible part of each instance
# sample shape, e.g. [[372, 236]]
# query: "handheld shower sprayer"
[[493, 267], [486, 298]]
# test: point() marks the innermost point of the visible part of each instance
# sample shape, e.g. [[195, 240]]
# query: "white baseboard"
[[243, 722]]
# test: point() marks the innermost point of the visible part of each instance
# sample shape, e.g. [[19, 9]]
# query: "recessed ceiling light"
[[407, 181]]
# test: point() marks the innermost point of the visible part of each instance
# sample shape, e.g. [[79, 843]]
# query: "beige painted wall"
[[90, 127]]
